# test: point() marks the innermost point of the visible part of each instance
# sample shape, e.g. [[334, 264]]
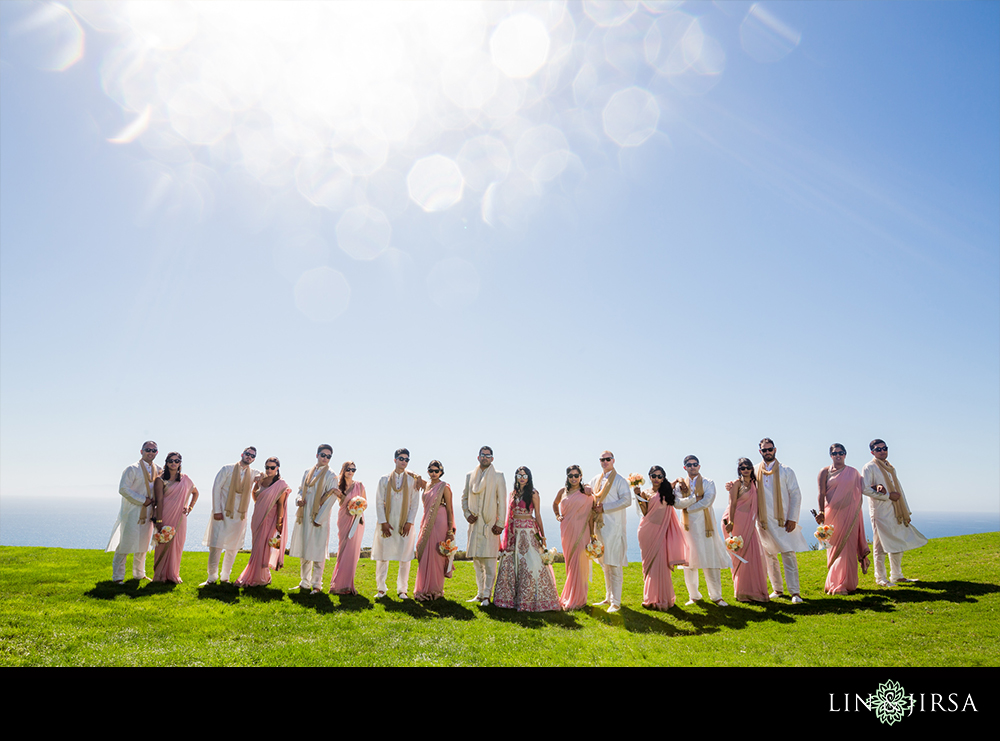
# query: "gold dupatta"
[[149, 477], [390, 487], [316, 477], [779, 507], [699, 492], [900, 507], [600, 496], [238, 485]]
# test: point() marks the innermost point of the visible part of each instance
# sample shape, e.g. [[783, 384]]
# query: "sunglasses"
[[656, 476], [691, 465], [838, 452], [150, 450], [745, 468], [325, 455], [270, 468], [351, 470], [605, 460], [174, 460], [249, 454], [401, 459], [767, 450], [573, 475], [433, 470], [881, 449]]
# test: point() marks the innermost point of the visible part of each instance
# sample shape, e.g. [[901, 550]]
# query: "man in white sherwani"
[[395, 538], [892, 531], [484, 504], [134, 526], [227, 529], [612, 496], [706, 549], [310, 540], [779, 531]]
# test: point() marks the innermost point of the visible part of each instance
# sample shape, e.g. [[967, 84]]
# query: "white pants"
[[138, 566], [613, 585], [311, 573], [895, 563], [486, 575], [791, 564], [213, 564], [713, 581], [402, 578]]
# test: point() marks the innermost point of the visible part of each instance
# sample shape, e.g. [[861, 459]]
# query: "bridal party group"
[[757, 535]]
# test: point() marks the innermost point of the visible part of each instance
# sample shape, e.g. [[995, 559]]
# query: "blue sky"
[[655, 228]]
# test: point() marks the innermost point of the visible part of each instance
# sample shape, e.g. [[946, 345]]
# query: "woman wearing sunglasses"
[[171, 492], [270, 510]]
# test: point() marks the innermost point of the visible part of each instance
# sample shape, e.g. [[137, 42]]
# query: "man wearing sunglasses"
[[892, 531], [227, 528], [134, 526], [612, 496], [779, 529], [310, 541], [702, 534], [395, 537], [484, 504]]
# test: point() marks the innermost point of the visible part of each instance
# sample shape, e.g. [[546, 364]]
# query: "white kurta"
[[489, 504], [774, 538], [229, 533], [895, 537], [703, 552], [395, 547], [128, 536], [612, 535], [309, 542]]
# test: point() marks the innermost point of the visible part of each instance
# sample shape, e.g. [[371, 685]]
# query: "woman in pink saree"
[[437, 525], [171, 508], [749, 566], [840, 496], [270, 496], [661, 541], [574, 508], [350, 531], [524, 581]]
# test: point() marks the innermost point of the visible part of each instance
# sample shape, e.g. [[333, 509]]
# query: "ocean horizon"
[[86, 522]]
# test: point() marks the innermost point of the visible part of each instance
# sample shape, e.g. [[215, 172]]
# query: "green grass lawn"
[[58, 607]]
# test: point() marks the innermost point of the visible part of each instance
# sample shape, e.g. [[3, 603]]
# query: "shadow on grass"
[[133, 588], [436, 608]]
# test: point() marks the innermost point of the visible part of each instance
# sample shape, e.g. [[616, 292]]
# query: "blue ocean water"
[[79, 522]]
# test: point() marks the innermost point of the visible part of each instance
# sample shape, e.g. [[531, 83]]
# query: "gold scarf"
[[779, 508], [390, 487], [602, 494], [239, 485], [900, 508], [699, 492], [313, 477], [149, 477]]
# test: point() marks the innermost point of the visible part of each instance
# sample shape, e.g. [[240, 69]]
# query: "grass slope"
[[58, 607]]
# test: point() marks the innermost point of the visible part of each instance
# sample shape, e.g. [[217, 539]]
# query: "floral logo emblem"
[[890, 702]]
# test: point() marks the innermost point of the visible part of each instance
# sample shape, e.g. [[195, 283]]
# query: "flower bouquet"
[[635, 479], [595, 549], [357, 506], [734, 542], [447, 548], [824, 532], [275, 542], [549, 556], [165, 535]]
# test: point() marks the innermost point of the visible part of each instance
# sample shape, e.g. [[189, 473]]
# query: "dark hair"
[[666, 488], [342, 484], [250, 447], [166, 471], [528, 490], [323, 447], [277, 469], [486, 447], [766, 440], [436, 463], [840, 446], [692, 458], [400, 452], [753, 472], [873, 443], [574, 467]]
